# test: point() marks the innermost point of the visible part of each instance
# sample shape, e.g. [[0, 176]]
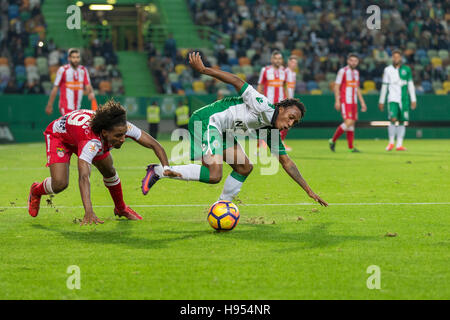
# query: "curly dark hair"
[[107, 116], [289, 103]]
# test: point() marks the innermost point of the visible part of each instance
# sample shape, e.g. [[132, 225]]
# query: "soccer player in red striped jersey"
[[71, 79], [346, 93], [272, 82], [291, 80], [90, 135]]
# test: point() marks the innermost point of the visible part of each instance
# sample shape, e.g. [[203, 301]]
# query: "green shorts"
[[401, 114], [207, 139]]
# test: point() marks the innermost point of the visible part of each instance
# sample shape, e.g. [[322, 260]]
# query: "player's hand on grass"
[[89, 218], [381, 107], [196, 62], [172, 174], [318, 199], [49, 109], [337, 106], [413, 105]]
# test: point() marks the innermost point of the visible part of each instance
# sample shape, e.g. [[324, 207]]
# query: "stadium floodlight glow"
[[151, 8], [101, 7], [40, 44], [79, 3]]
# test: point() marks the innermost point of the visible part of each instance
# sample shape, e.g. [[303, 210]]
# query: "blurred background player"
[[90, 135], [272, 82], [399, 87], [153, 119], [346, 94], [182, 115], [291, 79], [71, 79]]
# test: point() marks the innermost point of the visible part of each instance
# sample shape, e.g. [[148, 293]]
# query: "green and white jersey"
[[398, 85], [251, 110]]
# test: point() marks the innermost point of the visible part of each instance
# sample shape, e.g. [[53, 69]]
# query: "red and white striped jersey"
[[348, 81], [273, 82], [291, 79], [71, 83]]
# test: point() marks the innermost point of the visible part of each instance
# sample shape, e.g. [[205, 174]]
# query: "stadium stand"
[[29, 61], [321, 34]]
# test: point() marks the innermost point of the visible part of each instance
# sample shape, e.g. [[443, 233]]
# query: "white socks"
[[230, 189], [188, 172], [396, 130], [400, 135], [391, 132]]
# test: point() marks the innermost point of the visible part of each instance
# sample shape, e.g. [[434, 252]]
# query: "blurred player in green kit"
[[399, 87]]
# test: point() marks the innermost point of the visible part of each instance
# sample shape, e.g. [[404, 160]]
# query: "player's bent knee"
[[215, 178], [59, 186], [247, 170]]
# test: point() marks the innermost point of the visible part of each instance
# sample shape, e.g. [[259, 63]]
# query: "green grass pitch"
[[277, 251]]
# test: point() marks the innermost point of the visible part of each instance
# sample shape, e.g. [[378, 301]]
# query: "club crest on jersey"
[[60, 152]]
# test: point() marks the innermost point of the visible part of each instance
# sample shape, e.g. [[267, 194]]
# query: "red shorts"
[[59, 152], [349, 111]]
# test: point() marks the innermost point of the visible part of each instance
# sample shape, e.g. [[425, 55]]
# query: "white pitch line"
[[249, 204]]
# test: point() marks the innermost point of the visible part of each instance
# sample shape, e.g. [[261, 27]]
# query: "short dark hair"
[[352, 54], [275, 52], [288, 103], [72, 50], [397, 51], [107, 116]]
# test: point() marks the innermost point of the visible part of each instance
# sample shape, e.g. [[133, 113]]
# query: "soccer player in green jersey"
[[212, 140], [399, 87]]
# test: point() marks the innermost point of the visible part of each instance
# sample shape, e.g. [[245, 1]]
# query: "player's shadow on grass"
[[122, 235], [317, 236]]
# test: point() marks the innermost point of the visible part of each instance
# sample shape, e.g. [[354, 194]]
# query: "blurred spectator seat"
[[104, 87], [198, 86], [42, 65], [179, 68], [244, 61], [99, 61]]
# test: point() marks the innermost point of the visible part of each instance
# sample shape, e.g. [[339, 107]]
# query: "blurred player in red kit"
[[272, 82], [71, 79], [90, 135], [347, 93], [291, 80]]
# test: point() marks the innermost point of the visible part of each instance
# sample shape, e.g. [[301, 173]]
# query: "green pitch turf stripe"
[[252, 204]]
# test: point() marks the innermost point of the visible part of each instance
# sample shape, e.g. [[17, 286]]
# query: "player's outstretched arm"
[[84, 171], [148, 141], [291, 168], [196, 62], [51, 99]]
